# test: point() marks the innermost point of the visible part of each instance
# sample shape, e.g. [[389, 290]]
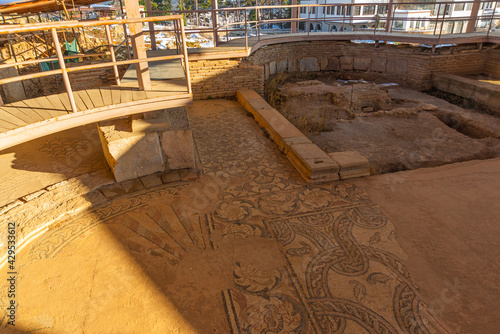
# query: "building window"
[[339, 10], [313, 10], [459, 7], [357, 10], [369, 10], [348, 11], [383, 9], [468, 6]]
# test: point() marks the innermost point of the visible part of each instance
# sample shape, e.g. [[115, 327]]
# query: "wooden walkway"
[[29, 119]]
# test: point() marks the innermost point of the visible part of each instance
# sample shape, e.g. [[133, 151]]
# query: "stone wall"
[[492, 63], [222, 78], [412, 65], [399, 63]]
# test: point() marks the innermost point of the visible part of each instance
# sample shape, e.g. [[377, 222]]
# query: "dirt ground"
[[446, 220], [395, 128]]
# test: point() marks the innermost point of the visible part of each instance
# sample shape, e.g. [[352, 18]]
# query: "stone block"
[[152, 180], [346, 63], [352, 164], [309, 64], [188, 175], [282, 65], [323, 63], [333, 64], [130, 154], [378, 64], [292, 65], [170, 177], [113, 190], [312, 163], [12, 91], [396, 66], [132, 186], [362, 63], [272, 67], [250, 100], [178, 147]]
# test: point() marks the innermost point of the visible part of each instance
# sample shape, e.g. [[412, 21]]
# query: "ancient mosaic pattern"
[[342, 271]]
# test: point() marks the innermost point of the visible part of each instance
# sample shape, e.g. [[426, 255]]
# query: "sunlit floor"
[[249, 247]]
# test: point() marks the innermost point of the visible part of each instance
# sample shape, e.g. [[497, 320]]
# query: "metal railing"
[[385, 17], [55, 27]]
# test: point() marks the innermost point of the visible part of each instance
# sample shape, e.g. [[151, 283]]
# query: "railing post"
[[152, 36], [246, 30], [62, 65], [343, 22], [293, 23], [186, 60], [471, 25], [112, 51], [492, 18], [437, 18], [227, 35], [214, 21], [390, 13], [308, 20], [258, 23]]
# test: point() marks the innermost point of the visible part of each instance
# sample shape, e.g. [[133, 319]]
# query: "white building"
[[341, 15]]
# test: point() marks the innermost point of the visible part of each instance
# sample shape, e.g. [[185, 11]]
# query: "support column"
[[388, 22], [294, 24], [152, 36], [138, 46], [473, 16], [215, 6]]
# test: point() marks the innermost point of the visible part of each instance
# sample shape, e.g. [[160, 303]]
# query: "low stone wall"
[[485, 95], [492, 63], [399, 63], [222, 78]]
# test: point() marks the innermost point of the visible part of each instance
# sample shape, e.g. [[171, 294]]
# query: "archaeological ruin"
[[239, 167]]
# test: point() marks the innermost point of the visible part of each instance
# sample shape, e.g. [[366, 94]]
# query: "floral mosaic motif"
[[278, 314], [234, 211], [254, 280]]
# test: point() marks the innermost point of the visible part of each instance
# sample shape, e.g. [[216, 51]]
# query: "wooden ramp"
[[34, 118]]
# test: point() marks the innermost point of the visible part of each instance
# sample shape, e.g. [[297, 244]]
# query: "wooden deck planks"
[[154, 94], [85, 99], [106, 96], [7, 117], [63, 97], [126, 96], [32, 104], [95, 96], [138, 95], [44, 102], [115, 95], [80, 105], [14, 112], [56, 103], [27, 111]]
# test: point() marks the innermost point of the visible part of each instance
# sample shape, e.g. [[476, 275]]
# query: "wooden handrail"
[[121, 62]]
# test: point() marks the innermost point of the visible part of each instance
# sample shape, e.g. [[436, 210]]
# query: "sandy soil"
[[447, 222]]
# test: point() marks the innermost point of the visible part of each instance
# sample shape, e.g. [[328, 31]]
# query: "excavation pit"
[[394, 128]]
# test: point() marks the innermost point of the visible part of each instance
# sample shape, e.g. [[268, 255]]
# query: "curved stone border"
[[35, 213]]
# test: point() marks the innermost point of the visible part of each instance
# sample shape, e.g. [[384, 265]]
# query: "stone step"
[[352, 164]]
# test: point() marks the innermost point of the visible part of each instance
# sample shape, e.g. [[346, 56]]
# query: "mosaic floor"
[[247, 248]]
